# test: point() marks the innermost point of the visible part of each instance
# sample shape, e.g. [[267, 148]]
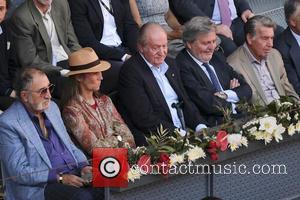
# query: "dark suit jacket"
[[287, 45], [88, 22], [184, 10], [201, 90], [143, 100], [5, 80], [33, 46]]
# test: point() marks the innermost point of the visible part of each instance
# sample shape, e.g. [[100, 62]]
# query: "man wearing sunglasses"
[[39, 159]]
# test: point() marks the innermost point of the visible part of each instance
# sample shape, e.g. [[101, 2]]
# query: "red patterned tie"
[[225, 12]]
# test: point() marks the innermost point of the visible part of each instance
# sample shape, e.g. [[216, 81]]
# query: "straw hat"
[[85, 60]]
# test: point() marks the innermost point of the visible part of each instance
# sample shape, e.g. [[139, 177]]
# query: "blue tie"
[[213, 78]]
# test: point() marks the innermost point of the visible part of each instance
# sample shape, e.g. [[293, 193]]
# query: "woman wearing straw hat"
[[92, 118]]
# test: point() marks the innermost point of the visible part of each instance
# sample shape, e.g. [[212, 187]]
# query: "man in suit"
[[260, 64], [150, 86], [108, 27], [7, 93], [208, 79], [229, 30], [44, 36], [39, 159], [288, 43]]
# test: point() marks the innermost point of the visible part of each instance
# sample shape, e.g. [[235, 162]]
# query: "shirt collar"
[[297, 37], [1, 31], [161, 68], [47, 12], [251, 56], [199, 62]]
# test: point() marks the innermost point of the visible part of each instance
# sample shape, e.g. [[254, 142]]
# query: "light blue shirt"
[[167, 91], [1, 31], [216, 16], [231, 95]]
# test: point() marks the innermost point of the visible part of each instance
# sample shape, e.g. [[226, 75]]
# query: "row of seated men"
[[35, 147]]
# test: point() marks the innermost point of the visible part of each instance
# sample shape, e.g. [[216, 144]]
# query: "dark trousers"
[[58, 191]]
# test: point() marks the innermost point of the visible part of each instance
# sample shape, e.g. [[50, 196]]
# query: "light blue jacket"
[[23, 155]]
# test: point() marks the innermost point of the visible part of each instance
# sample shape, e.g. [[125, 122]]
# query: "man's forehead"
[[39, 81]]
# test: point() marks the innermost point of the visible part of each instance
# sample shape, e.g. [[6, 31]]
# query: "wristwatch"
[[60, 177]]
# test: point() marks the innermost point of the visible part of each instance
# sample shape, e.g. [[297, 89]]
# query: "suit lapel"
[[198, 72], [275, 76], [153, 85], [98, 10], [31, 133], [294, 50], [57, 18], [248, 68], [41, 27]]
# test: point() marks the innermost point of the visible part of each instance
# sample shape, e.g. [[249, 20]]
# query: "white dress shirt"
[[216, 16], [168, 92], [58, 52], [110, 36]]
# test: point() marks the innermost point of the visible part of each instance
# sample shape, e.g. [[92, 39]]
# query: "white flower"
[[133, 173], [195, 153], [175, 158], [286, 104], [277, 134], [297, 127], [235, 141], [291, 130], [252, 130], [296, 116], [288, 117], [244, 141], [267, 124]]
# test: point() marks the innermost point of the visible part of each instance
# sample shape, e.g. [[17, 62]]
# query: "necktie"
[[225, 12], [213, 78]]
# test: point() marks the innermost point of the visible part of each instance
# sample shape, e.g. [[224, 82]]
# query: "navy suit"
[[201, 90], [184, 10], [143, 101], [289, 49]]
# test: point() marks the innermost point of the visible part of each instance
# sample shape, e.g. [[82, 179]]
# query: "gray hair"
[[194, 27], [290, 7], [142, 36], [257, 20], [24, 78]]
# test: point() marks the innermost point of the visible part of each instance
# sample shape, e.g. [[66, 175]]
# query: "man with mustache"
[[211, 83], [39, 159], [260, 64], [150, 86], [44, 37]]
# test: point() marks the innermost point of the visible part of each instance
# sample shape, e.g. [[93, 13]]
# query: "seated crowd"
[[83, 51]]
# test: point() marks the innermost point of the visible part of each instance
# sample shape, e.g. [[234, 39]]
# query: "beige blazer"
[[240, 61], [29, 33]]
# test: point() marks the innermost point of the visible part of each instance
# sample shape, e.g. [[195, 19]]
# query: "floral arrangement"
[[167, 149]]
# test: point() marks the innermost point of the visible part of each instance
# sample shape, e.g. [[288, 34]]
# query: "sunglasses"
[[44, 91]]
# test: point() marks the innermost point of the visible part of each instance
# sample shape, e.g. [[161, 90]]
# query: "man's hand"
[[247, 14], [224, 30], [70, 179], [234, 83]]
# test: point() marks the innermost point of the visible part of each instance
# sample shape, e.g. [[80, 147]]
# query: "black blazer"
[[88, 22], [287, 45], [5, 54], [143, 100], [200, 88], [184, 10]]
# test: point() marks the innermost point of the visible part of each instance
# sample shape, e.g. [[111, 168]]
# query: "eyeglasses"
[[44, 91]]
